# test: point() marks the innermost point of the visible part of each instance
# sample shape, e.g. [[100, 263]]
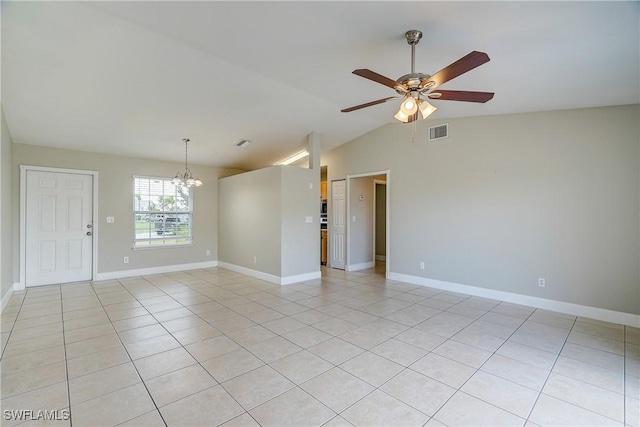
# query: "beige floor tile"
[[337, 421], [194, 335], [293, 408], [479, 340], [70, 325], [127, 313], [416, 390], [358, 318], [632, 386], [89, 332], [140, 349], [372, 368], [257, 386], [150, 419], [379, 408], [183, 323], [593, 356], [465, 410], [84, 313], [284, 325], [524, 353], [35, 359], [35, 332], [307, 337], [51, 397], [113, 408], [632, 412], [550, 411], [37, 321], [444, 370], [134, 322], [96, 384], [209, 407], [179, 384], [463, 353], [273, 349], [336, 350], [337, 389], [302, 366], [422, 339], [27, 346], [592, 398], [399, 352], [244, 420], [142, 333], [163, 363], [100, 360], [251, 335], [591, 374], [211, 348], [504, 394], [610, 331], [31, 379], [92, 345], [232, 364], [597, 342], [173, 314], [365, 337], [516, 371]]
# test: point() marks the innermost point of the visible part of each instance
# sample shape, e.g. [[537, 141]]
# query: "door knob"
[[89, 233]]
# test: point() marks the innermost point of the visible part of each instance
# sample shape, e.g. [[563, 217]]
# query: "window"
[[162, 213]]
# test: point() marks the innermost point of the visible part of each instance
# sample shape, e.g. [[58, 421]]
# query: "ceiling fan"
[[415, 88]]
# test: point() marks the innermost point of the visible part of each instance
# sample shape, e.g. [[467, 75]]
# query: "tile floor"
[[213, 347]]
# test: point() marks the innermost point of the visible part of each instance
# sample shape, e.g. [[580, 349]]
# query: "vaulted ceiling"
[[134, 78]]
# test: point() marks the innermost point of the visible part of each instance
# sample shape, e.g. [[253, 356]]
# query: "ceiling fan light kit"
[[413, 86]]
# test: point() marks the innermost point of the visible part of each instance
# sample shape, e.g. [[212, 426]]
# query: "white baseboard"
[[154, 270], [6, 297], [602, 314], [360, 266], [287, 280], [381, 257]]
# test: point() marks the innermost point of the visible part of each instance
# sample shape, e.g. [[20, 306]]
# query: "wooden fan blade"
[[368, 104], [461, 66], [461, 95], [378, 78]]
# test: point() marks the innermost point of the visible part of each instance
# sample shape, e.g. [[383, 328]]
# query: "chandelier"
[[186, 179]]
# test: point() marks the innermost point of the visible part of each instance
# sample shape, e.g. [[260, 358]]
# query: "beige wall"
[[249, 220], [300, 240], [262, 214], [115, 198], [6, 214], [507, 199]]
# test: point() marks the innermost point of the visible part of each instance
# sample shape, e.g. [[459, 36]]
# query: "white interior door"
[[58, 228], [338, 193]]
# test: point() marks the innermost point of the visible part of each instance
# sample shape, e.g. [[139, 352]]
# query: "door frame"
[[23, 216], [347, 231], [375, 204]]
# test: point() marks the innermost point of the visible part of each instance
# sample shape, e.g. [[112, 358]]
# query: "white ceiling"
[[133, 78]]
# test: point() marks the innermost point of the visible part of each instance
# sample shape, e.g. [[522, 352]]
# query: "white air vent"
[[438, 132], [243, 143]]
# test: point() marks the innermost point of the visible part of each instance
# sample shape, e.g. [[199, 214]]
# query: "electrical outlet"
[[421, 265], [207, 252], [255, 259], [541, 282], [126, 260]]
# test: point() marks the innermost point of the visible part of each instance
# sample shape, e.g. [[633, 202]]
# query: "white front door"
[[59, 228], [338, 219]]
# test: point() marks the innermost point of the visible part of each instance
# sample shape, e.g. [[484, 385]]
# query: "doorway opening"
[[367, 221]]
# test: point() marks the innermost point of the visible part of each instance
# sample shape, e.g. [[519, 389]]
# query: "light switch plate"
[[111, 219], [308, 219]]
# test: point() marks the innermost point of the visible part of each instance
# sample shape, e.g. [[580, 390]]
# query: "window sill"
[[153, 247]]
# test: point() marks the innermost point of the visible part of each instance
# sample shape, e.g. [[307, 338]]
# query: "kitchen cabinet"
[[323, 247], [323, 190]]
